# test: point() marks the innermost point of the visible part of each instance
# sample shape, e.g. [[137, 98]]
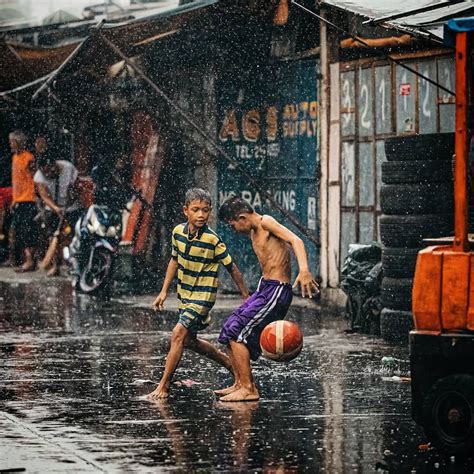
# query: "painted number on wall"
[[312, 213]]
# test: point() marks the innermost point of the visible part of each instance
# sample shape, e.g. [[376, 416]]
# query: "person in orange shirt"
[[23, 199]]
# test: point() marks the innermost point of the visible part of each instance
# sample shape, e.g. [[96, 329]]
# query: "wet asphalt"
[[74, 372]]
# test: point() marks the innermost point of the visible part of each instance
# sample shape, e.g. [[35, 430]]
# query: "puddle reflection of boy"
[[242, 329], [182, 443], [196, 254]]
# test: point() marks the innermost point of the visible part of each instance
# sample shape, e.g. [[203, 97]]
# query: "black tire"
[[399, 262], [416, 198], [407, 172], [409, 231], [96, 276], [448, 414], [395, 325], [433, 146], [396, 293]]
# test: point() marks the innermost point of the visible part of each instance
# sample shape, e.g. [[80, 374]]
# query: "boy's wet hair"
[[48, 137], [197, 194], [233, 207]]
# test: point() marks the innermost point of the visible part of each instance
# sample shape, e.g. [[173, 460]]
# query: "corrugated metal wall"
[[380, 100]]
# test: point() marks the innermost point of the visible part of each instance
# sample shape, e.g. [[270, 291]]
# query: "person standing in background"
[[23, 199], [56, 182]]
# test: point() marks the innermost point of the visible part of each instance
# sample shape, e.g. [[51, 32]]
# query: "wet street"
[[74, 372]]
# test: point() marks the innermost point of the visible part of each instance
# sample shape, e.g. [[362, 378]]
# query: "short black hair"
[[46, 135], [45, 160], [197, 194], [231, 208]]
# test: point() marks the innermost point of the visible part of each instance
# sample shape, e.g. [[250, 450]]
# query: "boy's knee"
[[179, 334], [190, 342]]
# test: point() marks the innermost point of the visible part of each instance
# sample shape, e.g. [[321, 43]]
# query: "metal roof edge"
[[419, 32], [163, 14]]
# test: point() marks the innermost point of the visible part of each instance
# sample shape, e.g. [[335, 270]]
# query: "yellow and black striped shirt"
[[198, 264]]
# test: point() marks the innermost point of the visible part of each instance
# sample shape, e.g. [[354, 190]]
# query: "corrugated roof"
[[132, 36], [429, 22], [59, 16]]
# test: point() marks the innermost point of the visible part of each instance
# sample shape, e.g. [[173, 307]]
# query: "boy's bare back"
[[272, 252], [271, 243]]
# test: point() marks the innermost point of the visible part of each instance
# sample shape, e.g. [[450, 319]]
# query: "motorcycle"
[[94, 247]]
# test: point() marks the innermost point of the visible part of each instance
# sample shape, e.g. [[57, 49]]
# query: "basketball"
[[281, 341]]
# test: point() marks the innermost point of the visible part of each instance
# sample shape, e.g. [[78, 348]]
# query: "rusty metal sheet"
[[427, 21]]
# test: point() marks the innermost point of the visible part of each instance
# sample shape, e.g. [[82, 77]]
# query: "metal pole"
[[461, 147], [324, 151], [53, 75], [257, 186]]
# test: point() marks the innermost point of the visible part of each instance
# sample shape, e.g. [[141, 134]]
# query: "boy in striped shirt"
[[196, 254]]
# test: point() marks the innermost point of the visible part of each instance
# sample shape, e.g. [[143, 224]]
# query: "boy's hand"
[[159, 303], [59, 211], [309, 285]]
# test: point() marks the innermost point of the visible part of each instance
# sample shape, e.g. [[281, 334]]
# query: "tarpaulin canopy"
[[132, 36], [59, 16], [426, 17], [20, 64]]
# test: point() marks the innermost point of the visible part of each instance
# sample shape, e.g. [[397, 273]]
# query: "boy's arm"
[[304, 278], [225, 259], [234, 272], [47, 199], [32, 166], [158, 304]]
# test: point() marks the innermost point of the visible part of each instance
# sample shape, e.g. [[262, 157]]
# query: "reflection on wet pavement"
[[74, 372]]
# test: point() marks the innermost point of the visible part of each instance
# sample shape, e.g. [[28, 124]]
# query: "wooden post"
[[461, 146], [324, 151]]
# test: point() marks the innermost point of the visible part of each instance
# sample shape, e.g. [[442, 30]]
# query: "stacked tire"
[[416, 199]]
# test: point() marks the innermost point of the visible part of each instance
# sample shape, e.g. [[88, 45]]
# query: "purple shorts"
[[269, 303]]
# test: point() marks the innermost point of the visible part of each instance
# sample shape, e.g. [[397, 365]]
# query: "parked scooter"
[[98, 233], [94, 247]]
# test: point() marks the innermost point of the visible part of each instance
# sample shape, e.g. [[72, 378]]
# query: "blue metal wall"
[[268, 121]]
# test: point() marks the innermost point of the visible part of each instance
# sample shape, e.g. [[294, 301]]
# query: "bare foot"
[[53, 271], [242, 395], [26, 267], [238, 406], [225, 391], [158, 394]]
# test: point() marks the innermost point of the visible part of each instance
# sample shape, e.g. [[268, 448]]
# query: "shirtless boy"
[[242, 329], [196, 254]]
